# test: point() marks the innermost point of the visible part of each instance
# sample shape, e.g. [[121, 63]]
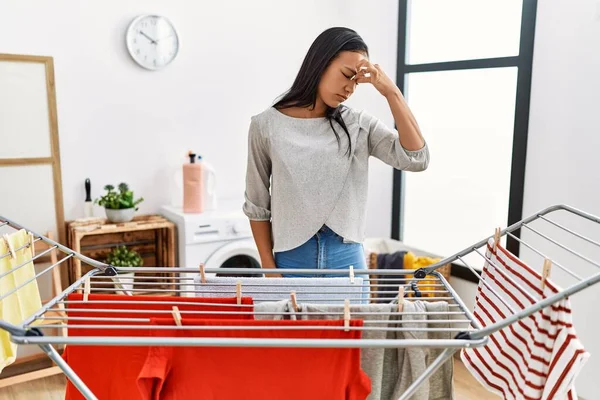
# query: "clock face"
[[152, 41]]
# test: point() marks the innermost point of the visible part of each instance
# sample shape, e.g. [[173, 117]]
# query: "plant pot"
[[126, 280], [122, 215]]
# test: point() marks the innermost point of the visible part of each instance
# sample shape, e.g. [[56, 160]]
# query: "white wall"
[[564, 138], [120, 122]]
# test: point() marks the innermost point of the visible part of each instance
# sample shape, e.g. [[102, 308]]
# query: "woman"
[[307, 174]]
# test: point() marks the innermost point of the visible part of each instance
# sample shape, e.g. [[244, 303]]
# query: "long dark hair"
[[322, 52]]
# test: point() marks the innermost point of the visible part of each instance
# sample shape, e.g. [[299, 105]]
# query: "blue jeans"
[[325, 250]]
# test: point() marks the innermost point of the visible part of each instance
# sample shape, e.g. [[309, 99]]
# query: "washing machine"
[[219, 239]]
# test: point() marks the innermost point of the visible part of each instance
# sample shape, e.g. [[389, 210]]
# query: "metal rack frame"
[[469, 333]]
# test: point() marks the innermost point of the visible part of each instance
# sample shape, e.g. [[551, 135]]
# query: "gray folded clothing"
[[392, 370], [273, 310]]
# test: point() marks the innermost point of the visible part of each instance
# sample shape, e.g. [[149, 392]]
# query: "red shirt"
[[110, 372], [255, 373]]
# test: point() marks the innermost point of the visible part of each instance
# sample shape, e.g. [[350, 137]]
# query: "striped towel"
[[538, 357]]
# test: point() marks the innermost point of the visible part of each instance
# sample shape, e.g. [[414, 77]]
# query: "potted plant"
[[121, 256], [119, 204]]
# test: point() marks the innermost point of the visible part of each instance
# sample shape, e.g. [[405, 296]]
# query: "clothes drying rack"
[[549, 229]]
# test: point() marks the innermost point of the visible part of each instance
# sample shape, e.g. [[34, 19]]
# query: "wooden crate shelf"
[[152, 236]]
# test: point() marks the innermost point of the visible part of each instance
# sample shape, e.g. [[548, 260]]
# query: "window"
[[467, 80], [451, 30]]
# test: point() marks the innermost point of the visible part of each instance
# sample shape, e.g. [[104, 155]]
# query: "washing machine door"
[[235, 254]]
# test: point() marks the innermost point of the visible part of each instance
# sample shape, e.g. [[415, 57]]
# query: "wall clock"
[[152, 41]]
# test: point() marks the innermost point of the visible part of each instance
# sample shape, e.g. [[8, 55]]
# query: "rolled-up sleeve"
[[384, 144], [257, 205]]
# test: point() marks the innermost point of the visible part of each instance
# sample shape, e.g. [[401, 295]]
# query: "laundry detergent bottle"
[[193, 186]]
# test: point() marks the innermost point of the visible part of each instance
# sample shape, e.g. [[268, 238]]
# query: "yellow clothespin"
[[496, 238], [31, 244], [10, 247], [400, 298], [351, 273], [238, 292], [546, 271], [176, 315], [86, 289], [202, 274], [294, 301], [346, 315]]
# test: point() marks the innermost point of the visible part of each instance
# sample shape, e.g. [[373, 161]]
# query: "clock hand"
[[166, 37], [148, 37]]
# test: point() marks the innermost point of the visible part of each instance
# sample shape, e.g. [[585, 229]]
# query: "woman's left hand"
[[373, 74]]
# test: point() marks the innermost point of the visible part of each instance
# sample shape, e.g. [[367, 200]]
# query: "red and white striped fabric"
[[538, 357]]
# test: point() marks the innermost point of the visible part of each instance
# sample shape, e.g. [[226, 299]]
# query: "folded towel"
[[320, 290]]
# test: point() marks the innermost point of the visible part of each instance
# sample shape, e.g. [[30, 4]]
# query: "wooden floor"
[[52, 388], [466, 387]]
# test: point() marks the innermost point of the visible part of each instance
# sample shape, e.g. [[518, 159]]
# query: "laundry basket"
[[375, 246]]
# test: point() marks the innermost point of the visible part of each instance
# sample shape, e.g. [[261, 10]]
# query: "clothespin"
[[294, 301], [346, 315], [10, 247], [176, 315], [202, 273], [400, 298], [238, 292], [86, 289], [496, 238], [31, 244], [546, 271], [351, 273]]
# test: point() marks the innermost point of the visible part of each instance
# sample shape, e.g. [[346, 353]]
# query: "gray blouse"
[[300, 179]]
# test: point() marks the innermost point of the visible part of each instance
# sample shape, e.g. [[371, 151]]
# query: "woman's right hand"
[[271, 265]]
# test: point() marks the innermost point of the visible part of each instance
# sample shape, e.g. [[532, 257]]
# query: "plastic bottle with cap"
[[193, 186]]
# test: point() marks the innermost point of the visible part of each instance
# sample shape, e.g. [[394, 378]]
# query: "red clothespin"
[[546, 272], [176, 315]]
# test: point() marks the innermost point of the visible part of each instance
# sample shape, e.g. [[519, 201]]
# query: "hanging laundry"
[[25, 301], [403, 366], [273, 310], [254, 373], [111, 372], [392, 370], [538, 357], [386, 283]]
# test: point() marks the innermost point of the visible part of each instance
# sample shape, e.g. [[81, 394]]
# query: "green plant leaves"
[[121, 256], [123, 187], [122, 199]]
